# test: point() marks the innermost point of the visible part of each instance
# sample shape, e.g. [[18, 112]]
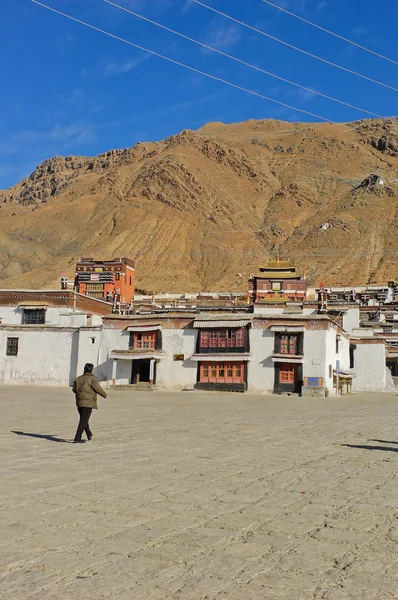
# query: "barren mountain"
[[200, 207]]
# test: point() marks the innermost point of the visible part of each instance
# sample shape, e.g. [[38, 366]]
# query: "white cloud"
[[58, 138], [301, 95], [223, 38], [187, 6], [76, 98], [73, 134], [114, 68], [79, 98]]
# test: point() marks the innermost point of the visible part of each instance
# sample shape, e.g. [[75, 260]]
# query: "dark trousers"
[[85, 414]]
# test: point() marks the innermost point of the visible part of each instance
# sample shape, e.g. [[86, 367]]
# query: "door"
[[140, 371], [288, 378]]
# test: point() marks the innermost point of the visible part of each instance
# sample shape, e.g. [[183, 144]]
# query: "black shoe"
[[89, 437], [79, 441]]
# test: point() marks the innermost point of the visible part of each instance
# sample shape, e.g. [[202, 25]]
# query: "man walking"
[[86, 388]]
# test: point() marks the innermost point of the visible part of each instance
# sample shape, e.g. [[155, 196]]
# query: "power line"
[[246, 64], [340, 37], [180, 64], [196, 71], [328, 62]]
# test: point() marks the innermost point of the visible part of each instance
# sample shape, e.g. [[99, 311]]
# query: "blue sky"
[[70, 90]]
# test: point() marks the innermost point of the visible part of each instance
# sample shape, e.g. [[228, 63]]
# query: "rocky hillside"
[[200, 207]]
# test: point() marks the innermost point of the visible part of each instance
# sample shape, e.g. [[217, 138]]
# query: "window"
[[35, 316], [204, 339], [221, 372], [287, 374], [393, 366], [353, 347], [131, 280], [143, 340], [222, 338], [287, 344], [12, 347], [337, 344]]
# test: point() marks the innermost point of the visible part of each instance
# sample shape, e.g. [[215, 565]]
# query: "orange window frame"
[[287, 374], [222, 338], [145, 340], [221, 372]]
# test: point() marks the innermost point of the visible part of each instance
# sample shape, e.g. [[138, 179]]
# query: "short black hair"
[[88, 368]]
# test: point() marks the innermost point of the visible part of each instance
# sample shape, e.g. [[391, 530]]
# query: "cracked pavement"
[[199, 496]]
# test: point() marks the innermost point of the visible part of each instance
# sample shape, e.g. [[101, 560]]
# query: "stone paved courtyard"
[[199, 496]]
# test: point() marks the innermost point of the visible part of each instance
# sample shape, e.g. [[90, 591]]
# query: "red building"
[[107, 280], [277, 281]]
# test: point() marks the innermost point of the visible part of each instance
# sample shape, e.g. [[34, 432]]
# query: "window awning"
[[287, 329], [285, 359], [129, 355], [225, 324], [221, 358], [32, 306], [143, 328]]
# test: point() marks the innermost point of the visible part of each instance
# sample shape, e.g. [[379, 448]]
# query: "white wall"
[[267, 311], [111, 339], [315, 355], [351, 319], [343, 356], [261, 368], [172, 374], [44, 357], [88, 347], [56, 356], [369, 368], [54, 315]]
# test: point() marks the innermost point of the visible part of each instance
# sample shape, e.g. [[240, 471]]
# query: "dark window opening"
[[223, 340], [143, 340], [289, 344], [36, 316], [337, 345], [393, 366], [352, 355], [12, 347]]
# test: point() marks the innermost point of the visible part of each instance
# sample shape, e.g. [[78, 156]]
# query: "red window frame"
[[144, 340], [222, 372], [287, 374], [222, 338]]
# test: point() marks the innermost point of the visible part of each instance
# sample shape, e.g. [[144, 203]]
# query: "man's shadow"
[[383, 441], [50, 438], [368, 447]]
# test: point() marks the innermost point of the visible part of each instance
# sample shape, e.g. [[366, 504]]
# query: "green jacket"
[[86, 388]]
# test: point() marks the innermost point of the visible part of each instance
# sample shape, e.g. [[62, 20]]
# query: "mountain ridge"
[[201, 206]]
